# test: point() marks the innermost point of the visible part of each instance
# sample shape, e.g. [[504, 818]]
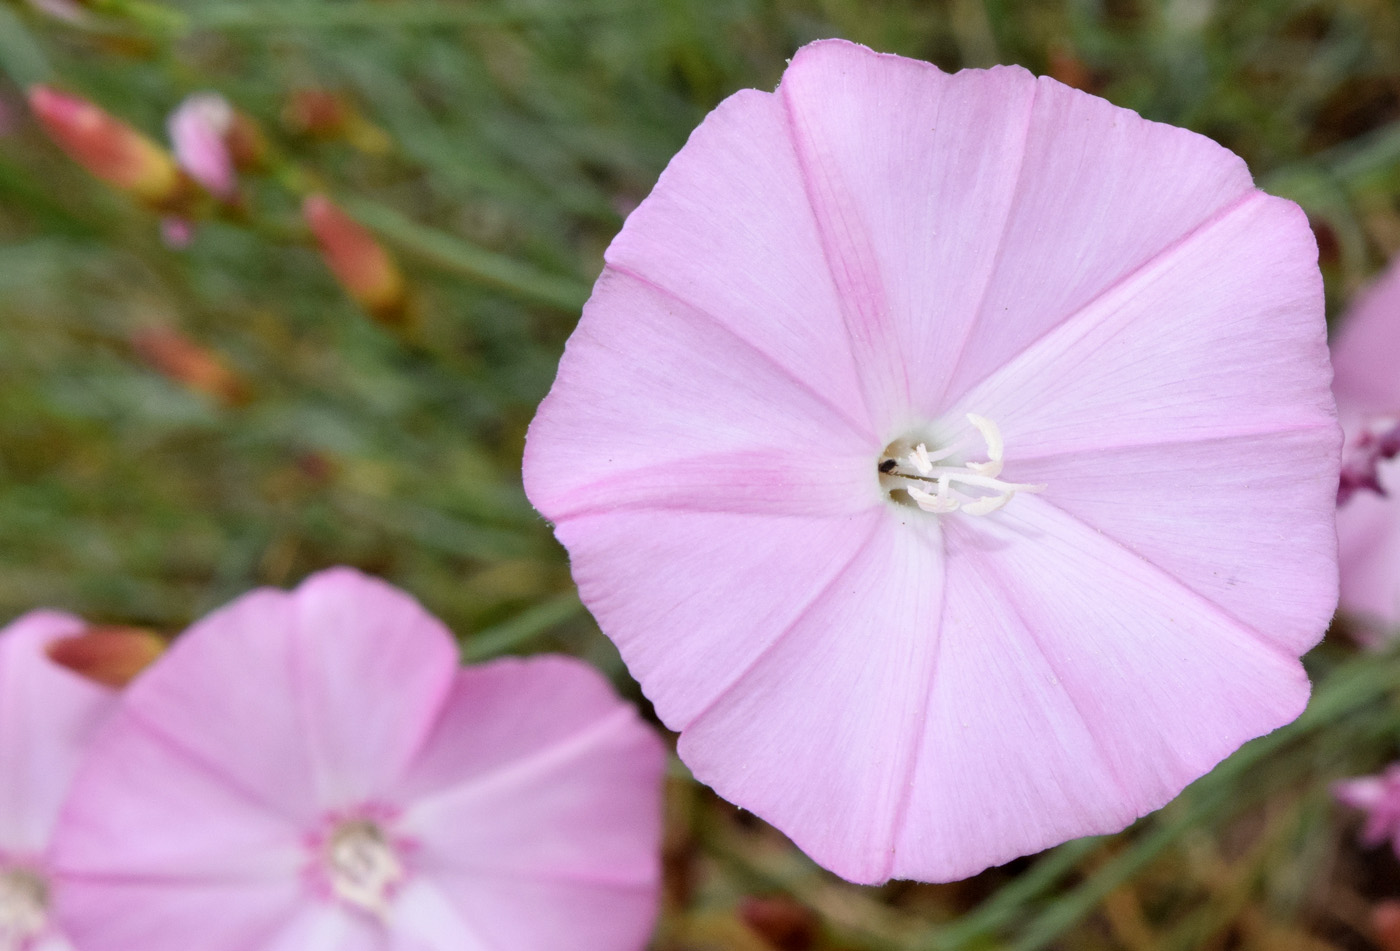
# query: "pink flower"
[[199, 130], [1378, 797], [952, 459], [311, 771], [1366, 355], [47, 717]]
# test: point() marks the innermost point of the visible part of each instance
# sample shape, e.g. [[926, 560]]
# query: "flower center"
[[938, 481], [362, 865], [1377, 442], [24, 906]]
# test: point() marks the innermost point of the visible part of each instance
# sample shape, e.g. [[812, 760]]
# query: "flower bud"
[[108, 655], [109, 148], [361, 265], [199, 131], [185, 362]]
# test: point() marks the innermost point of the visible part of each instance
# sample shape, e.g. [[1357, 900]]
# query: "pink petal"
[[198, 130], [719, 589], [327, 927], [761, 277], [351, 673], [140, 914], [145, 808], [910, 230], [700, 423], [1367, 347], [48, 715], [1077, 687], [536, 768], [1243, 293], [827, 720], [1102, 193], [1368, 525], [1252, 538], [528, 914]]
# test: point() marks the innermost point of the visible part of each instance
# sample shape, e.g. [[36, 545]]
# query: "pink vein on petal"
[[806, 386], [901, 813], [855, 273], [1001, 244], [538, 762], [791, 626], [1248, 433], [1088, 313], [1190, 593]]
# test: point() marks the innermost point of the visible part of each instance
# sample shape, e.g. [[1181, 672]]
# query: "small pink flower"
[[199, 130], [1378, 797], [312, 771], [952, 459], [1366, 356], [47, 717]]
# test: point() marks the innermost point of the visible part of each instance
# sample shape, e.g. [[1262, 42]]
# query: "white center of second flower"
[[362, 865], [24, 907], [932, 480]]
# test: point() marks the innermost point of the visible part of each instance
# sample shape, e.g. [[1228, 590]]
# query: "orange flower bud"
[[109, 148], [180, 359], [361, 265], [108, 655]]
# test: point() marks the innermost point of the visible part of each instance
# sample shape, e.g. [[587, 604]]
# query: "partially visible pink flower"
[[1379, 797], [951, 458], [1366, 358], [48, 715], [312, 771], [199, 130]]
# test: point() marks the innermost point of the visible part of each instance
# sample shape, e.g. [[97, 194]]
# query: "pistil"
[[362, 865], [915, 472]]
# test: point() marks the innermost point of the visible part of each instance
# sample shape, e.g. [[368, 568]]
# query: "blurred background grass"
[[495, 147]]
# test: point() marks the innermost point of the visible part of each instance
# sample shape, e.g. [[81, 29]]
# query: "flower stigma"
[[911, 474], [362, 866], [24, 907]]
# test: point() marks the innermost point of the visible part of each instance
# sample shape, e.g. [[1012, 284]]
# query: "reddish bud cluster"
[[358, 261]]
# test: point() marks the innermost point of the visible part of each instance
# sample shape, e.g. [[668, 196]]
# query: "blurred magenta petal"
[[952, 459], [48, 715], [199, 130], [1365, 355], [1379, 797], [315, 760]]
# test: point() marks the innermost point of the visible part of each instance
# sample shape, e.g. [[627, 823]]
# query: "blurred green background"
[[177, 426]]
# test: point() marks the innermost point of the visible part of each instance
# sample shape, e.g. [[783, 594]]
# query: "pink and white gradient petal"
[[761, 276], [1136, 695], [48, 715], [910, 232], [536, 768], [828, 719], [341, 706], [220, 916]]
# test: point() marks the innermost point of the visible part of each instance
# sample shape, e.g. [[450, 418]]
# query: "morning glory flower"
[[951, 458], [312, 771], [48, 715], [1366, 355]]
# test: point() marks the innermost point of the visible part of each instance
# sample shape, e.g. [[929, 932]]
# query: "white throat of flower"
[[24, 907], [362, 866], [908, 470]]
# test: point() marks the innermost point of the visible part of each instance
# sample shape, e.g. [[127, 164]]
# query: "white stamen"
[[916, 467], [24, 907], [362, 866]]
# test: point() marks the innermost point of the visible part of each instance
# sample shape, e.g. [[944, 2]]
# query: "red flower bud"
[[108, 655], [180, 359], [109, 148], [361, 265]]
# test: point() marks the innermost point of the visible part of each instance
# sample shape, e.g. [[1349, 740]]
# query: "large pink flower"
[[47, 717], [311, 771], [1367, 358], [951, 458]]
